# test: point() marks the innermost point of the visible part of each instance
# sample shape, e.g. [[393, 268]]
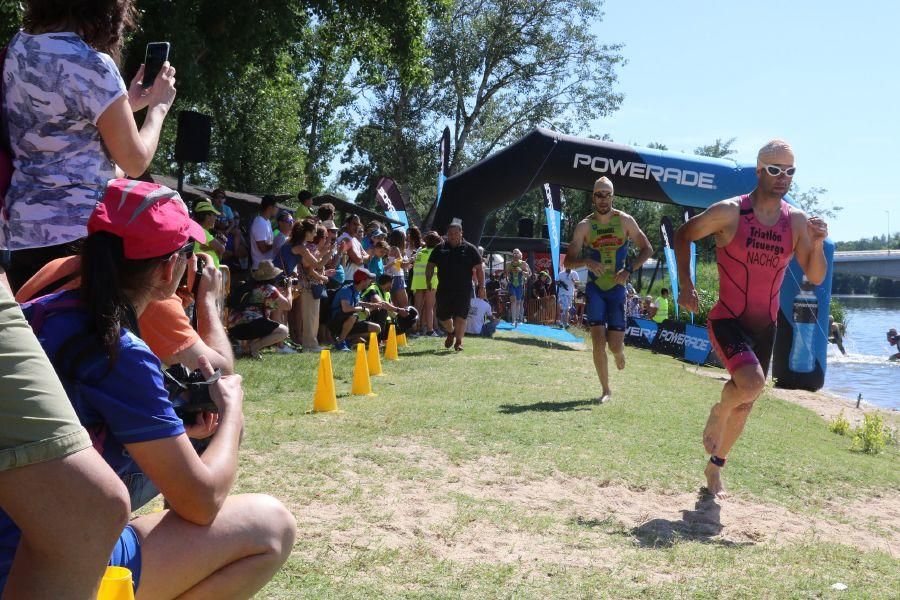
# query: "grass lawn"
[[490, 474]]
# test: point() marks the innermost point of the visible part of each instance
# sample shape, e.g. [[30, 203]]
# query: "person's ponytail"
[[108, 282]]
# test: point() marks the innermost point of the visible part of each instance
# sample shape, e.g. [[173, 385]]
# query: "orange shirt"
[[164, 326]]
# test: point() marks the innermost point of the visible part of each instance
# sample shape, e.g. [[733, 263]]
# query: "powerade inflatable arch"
[[544, 156]]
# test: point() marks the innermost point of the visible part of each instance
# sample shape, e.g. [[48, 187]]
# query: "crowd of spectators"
[[647, 307], [307, 284]]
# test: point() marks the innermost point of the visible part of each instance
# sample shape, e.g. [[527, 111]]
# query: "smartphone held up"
[[157, 54]]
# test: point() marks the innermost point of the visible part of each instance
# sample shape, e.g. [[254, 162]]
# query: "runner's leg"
[[728, 417], [616, 341], [601, 363]]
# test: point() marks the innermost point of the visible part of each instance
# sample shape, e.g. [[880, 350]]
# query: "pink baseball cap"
[[151, 219]]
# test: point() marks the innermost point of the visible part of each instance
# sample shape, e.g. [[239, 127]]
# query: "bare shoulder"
[[624, 216], [727, 205], [798, 217], [582, 228]]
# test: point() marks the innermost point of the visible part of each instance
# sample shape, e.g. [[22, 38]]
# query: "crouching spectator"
[[209, 544], [349, 314], [481, 320], [378, 295], [250, 317]]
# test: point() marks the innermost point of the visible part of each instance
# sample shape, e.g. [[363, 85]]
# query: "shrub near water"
[[871, 437], [839, 425]]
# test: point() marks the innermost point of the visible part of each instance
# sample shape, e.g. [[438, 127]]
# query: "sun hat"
[[330, 226], [205, 206], [266, 271], [151, 219]]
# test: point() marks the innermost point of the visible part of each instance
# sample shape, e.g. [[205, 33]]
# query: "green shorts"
[[37, 421]]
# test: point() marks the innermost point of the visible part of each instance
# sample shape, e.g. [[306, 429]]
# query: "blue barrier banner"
[[640, 332], [696, 344], [683, 340], [552, 204]]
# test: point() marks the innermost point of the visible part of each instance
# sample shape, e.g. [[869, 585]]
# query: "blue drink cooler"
[[801, 341], [806, 310]]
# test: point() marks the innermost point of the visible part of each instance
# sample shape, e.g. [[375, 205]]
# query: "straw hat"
[[266, 271]]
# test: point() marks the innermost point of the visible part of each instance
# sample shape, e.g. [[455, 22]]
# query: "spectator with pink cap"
[[208, 544]]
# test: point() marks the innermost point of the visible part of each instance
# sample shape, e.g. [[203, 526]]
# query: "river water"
[[865, 370]]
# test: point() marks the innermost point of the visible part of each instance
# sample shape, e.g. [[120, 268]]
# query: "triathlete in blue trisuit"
[[604, 237]]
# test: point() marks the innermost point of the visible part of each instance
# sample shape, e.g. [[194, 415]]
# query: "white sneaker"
[[285, 350]]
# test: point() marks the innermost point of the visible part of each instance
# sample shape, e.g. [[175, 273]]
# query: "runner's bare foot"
[[620, 360], [714, 481], [449, 340], [606, 396]]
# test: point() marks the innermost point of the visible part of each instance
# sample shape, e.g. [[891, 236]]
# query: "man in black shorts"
[[455, 258]]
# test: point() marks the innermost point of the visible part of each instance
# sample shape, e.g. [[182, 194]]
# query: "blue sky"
[[823, 75]]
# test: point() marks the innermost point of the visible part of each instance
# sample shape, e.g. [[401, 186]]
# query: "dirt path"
[[489, 511]]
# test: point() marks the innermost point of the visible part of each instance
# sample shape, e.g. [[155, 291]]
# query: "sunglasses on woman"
[[187, 251], [775, 170]]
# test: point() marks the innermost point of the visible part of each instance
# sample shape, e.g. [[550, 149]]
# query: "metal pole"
[[889, 231], [858, 400], [180, 177]]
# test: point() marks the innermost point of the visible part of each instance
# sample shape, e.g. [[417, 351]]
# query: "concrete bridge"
[[870, 263]]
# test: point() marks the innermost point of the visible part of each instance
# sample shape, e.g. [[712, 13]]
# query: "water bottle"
[[806, 314]]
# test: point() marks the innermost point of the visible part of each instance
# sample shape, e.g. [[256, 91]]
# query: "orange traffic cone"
[[362, 385], [374, 358], [401, 340], [324, 399], [390, 348], [116, 585]]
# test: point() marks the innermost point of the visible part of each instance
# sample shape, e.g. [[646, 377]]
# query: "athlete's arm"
[[429, 272], [573, 254], [715, 220], [809, 248], [633, 231], [479, 278]]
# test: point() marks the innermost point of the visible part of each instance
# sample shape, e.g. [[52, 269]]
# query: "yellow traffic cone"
[[362, 386], [116, 585], [401, 340], [390, 348], [324, 399], [374, 359]]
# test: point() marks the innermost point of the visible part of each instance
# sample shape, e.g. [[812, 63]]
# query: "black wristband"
[[630, 270]]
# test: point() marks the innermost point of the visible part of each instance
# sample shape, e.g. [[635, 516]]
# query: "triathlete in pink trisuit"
[[756, 236]]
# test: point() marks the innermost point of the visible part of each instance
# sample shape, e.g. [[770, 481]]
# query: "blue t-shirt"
[[348, 293], [123, 405], [287, 260], [376, 266]]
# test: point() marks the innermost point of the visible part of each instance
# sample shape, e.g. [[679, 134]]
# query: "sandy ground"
[[489, 511]]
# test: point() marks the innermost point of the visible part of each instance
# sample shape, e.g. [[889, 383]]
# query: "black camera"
[[189, 392]]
